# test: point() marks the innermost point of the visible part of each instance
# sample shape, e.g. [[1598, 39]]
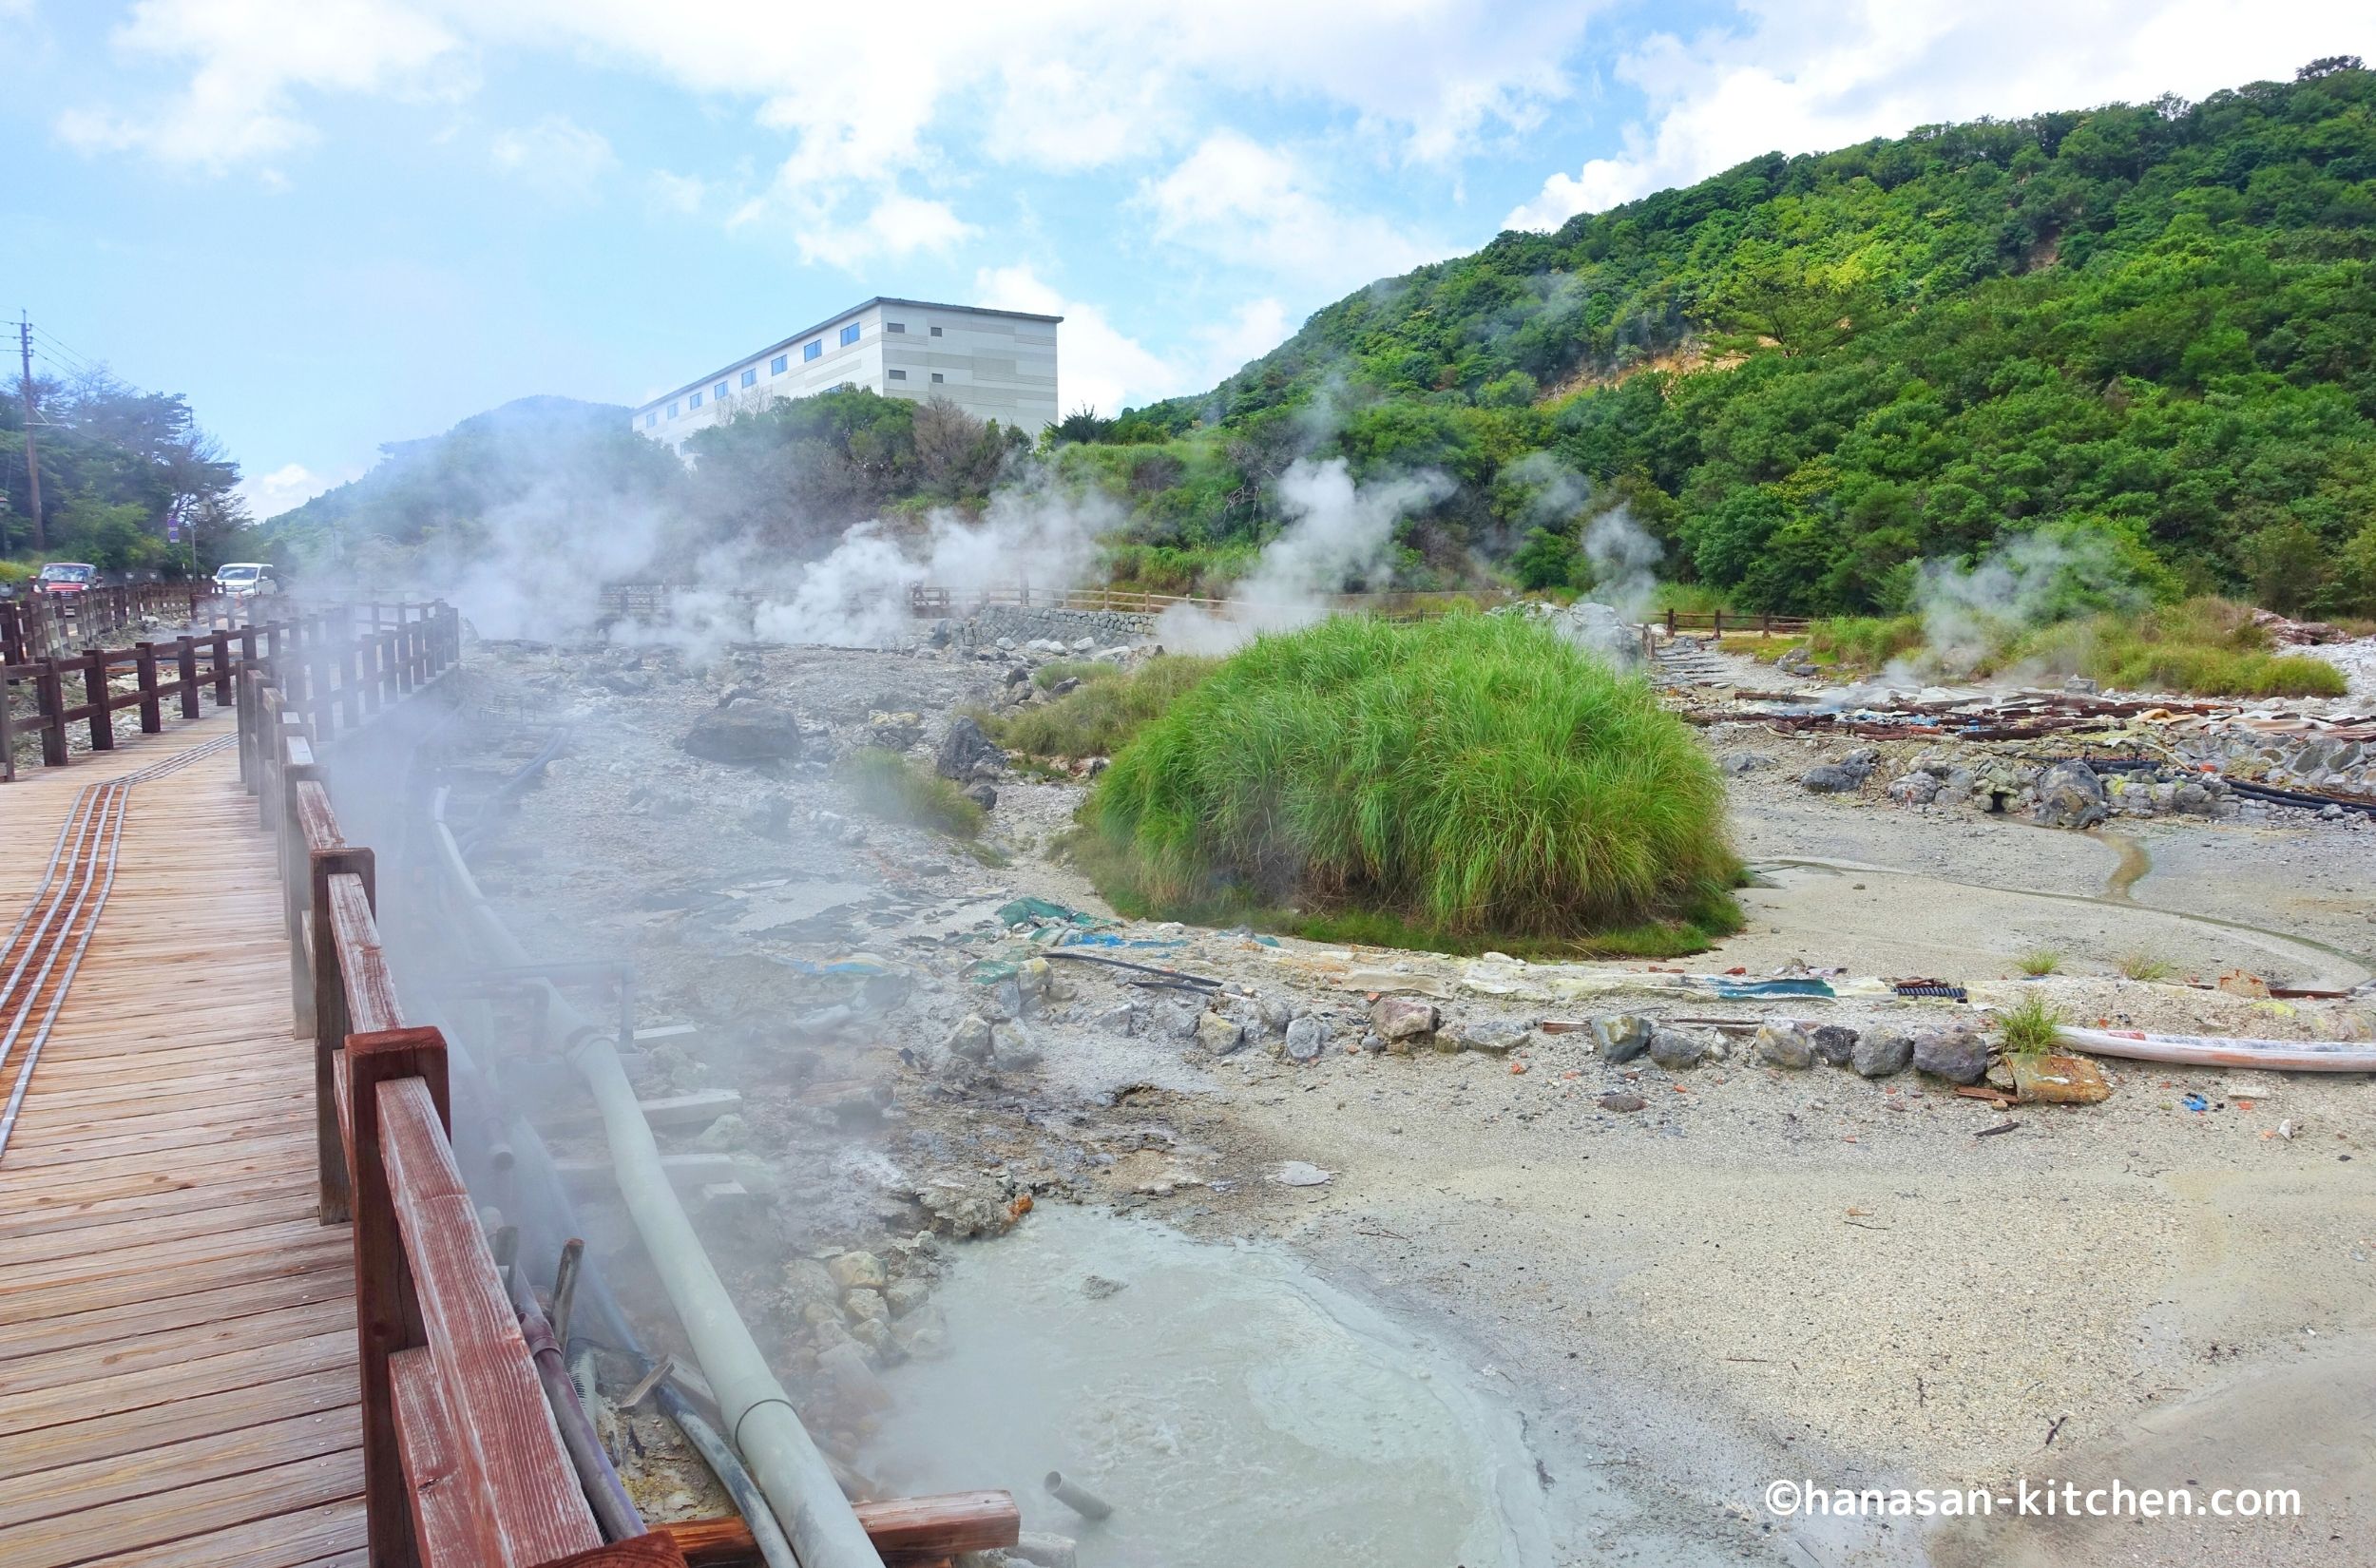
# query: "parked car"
[[64, 579], [244, 578]]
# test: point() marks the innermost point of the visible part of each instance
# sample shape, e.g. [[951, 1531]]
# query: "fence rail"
[[1718, 622], [463, 1464]]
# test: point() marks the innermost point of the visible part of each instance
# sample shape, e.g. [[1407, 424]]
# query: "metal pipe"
[[768, 1535], [613, 1509], [1079, 1499], [566, 1285], [758, 1413]]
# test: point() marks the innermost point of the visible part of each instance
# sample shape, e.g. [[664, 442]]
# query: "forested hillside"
[[2150, 326], [1809, 372]]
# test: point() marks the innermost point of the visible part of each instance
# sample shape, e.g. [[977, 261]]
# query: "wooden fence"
[[463, 1464], [1718, 622], [341, 664], [38, 625]]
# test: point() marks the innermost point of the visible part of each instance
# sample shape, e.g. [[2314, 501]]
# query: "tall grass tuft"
[[1097, 718], [2207, 646], [1460, 781], [886, 784], [2029, 1027]]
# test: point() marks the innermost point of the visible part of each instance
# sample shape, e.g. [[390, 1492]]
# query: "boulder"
[[1307, 1038], [1621, 1037], [1915, 788], [1676, 1051], [1958, 1056], [1834, 1043], [1621, 1100], [1882, 1052], [965, 751], [857, 1271], [1784, 1044], [1402, 1018], [1218, 1034], [972, 1038], [1744, 762], [743, 734], [1498, 1036], [1834, 778], [983, 795], [2070, 795]]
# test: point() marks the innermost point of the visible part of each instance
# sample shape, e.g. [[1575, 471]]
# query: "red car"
[[64, 579]]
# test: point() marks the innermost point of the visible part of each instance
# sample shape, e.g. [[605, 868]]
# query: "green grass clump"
[[2204, 647], [2029, 1028], [886, 784], [1461, 782], [2145, 967], [2039, 962], [1057, 671], [1863, 642], [1098, 716]]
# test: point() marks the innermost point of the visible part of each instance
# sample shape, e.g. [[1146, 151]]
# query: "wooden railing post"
[[185, 666], [103, 722], [49, 692], [152, 708], [225, 675], [8, 732], [384, 1308], [331, 1016], [350, 699]]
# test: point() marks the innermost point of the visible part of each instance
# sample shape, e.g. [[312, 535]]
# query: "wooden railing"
[[38, 625], [1718, 622], [463, 1464], [335, 667]]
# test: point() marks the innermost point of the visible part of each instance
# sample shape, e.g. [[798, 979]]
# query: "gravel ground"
[[1760, 1273]]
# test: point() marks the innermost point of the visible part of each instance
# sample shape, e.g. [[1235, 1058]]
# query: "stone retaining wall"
[[1108, 626]]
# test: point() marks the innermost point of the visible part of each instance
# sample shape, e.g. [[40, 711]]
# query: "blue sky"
[[336, 222]]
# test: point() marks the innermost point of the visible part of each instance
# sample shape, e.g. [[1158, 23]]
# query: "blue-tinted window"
[[777, 364], [651, 419], [722, 389], [849, 334], [672, 410], [810, 351], [751, 376], [695, 401]]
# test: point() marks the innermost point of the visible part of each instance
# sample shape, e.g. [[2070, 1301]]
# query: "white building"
[[993, 364]]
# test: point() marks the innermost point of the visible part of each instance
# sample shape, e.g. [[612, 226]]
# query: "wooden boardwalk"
[[178, 1379]]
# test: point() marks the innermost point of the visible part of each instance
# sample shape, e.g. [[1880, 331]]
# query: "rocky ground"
[[1699, 1240]]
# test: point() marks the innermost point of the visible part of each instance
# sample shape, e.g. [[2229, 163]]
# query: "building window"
[[777, 364], [695, 401], [651, 419], [936, 332], [894, 326], [849, 334], [672, 410], [722, 389], [938, 376], [751, 376], [896, 375], [810, 351]]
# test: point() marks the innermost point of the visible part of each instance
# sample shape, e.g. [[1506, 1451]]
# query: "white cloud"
[[555, 155], [238, 106], [1250, 205], [1252, 331], [291, 484], [1801, 77]]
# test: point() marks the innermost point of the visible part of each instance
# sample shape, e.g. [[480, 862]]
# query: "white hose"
[[2280, 1055]]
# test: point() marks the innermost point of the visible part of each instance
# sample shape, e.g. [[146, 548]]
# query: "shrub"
[[2204, 645], [2145, 967], [886, 784], [1863, 641], [1098, 716], [2028, 1029], [2039, 962], [1461, 782]]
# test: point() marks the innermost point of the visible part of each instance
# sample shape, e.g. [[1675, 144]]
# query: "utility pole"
[[32, 462]]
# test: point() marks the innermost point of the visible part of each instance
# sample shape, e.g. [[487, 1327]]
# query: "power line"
[[65, 357]]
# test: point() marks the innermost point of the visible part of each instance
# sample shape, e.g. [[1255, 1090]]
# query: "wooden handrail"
[[462, 1462]]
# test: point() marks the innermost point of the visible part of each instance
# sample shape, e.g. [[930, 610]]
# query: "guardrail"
[[334, 667], [38, 625], [463, 1464], [1717, 621]]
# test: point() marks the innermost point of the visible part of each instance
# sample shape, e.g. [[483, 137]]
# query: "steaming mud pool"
[[1228, 1405]]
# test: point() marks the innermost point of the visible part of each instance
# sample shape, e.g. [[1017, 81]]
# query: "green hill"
[[1811, 372]]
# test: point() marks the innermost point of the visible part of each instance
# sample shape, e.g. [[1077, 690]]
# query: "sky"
[[333, 223]]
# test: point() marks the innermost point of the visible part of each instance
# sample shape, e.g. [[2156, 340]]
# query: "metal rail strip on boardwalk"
[[94, 828]]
